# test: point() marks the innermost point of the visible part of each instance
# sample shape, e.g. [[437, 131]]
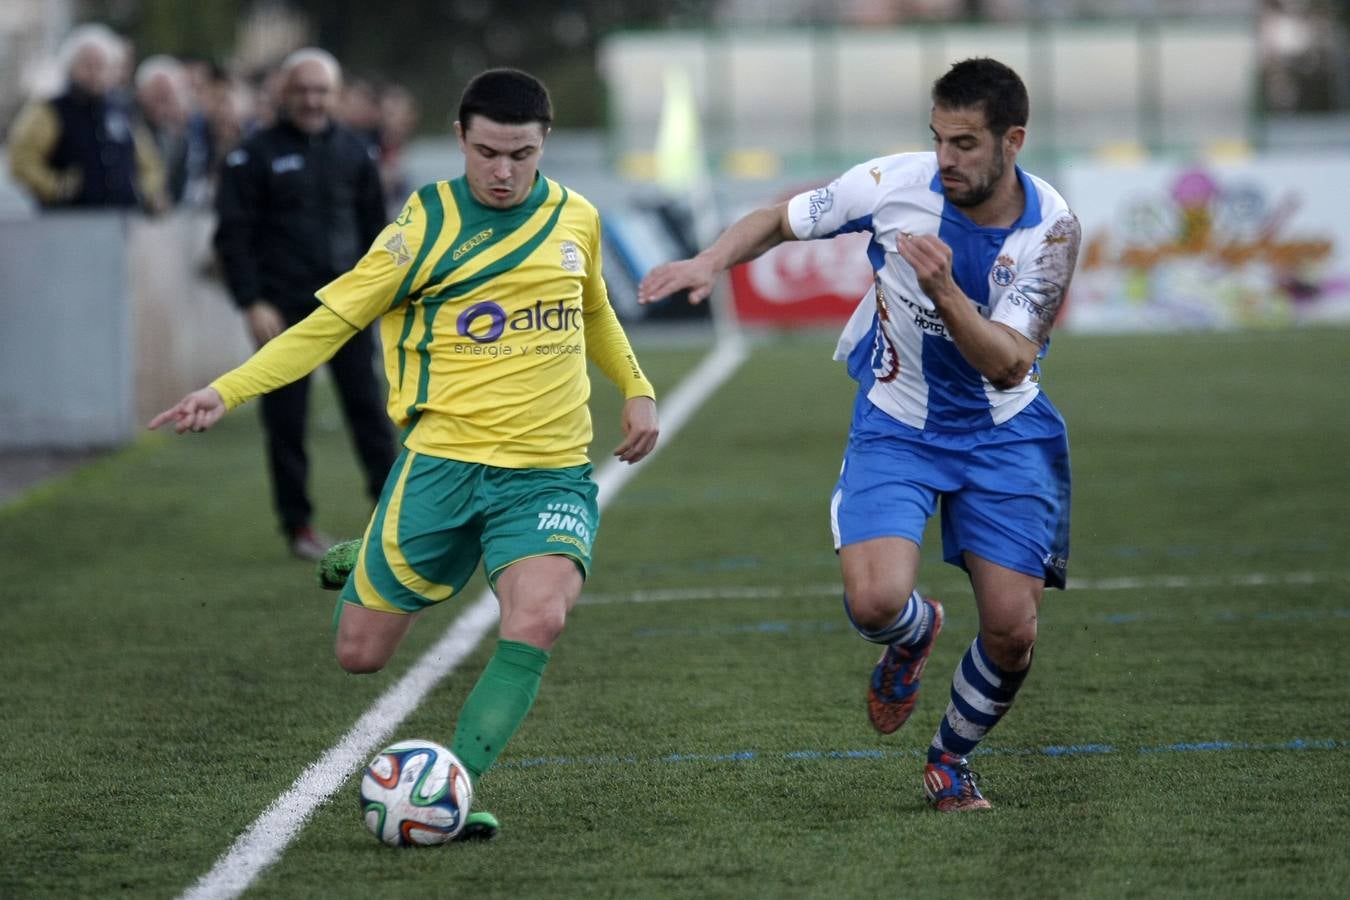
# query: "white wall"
[[848, 94], [105, 318]]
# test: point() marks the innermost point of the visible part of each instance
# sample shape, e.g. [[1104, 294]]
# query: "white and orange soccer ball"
[[415, 794]]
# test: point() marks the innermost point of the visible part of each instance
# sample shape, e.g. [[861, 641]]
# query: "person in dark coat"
[[83, 147], [298, 204]]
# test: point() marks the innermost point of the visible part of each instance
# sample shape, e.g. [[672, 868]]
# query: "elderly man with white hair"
[[298, 204], [166, 106], [82, 148]]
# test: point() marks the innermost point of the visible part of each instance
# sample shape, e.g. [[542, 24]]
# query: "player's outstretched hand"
[[197, 411], [695, 275], [640, 429]]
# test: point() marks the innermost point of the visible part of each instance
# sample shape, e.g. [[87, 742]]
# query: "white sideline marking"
[[263, 842], [832, 588]]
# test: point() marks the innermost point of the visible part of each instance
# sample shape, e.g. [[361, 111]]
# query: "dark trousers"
[[284, 415]]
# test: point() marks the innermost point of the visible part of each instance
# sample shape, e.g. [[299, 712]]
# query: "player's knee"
[[1010, 646], [874, 606], [359, 659], [539, 624]]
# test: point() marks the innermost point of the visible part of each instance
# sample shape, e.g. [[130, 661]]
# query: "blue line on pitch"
[[1056, 750]]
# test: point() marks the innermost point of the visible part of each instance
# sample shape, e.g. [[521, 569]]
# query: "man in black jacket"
[[83, 148], [298, 205]]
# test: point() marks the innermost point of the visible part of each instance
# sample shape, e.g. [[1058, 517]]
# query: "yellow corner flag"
[[680, 163]]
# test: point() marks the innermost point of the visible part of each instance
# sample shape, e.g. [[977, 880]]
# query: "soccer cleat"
[[950, 785], [335, 565], [895, 680], [480, 826], [307, 543]]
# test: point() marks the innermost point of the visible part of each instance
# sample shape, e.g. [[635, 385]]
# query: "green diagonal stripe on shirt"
[[510, 260], [474, 217], [505, 264], [431, 204]]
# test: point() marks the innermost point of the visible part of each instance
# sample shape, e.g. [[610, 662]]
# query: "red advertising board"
[[804, 282]]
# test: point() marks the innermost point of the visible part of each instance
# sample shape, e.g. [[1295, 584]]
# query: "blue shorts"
[[1004, 489]]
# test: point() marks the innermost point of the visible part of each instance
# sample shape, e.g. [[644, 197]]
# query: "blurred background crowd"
[[189, 80], [1204, 144], [153, 130]]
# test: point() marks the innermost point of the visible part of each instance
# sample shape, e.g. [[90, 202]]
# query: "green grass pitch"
[[701, 729]]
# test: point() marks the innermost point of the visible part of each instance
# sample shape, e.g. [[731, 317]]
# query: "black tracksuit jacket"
[[295, 211]]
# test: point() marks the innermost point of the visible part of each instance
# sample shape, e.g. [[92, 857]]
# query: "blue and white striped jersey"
[[895, 343]]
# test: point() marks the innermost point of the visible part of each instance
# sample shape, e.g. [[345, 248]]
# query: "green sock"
[[498, 704]]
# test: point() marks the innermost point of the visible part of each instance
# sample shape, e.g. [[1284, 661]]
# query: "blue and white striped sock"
[[981, 694], [912, 626]]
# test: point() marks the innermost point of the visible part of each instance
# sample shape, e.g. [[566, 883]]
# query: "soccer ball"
[[415, 794]]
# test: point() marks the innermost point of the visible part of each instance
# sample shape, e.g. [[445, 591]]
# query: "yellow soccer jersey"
[[487, 318]]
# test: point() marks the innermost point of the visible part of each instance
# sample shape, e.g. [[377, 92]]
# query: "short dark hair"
[[508, 96], [987, 84]]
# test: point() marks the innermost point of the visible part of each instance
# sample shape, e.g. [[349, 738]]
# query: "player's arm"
[[997, 352], [607, 346], [748, 237], [1033, 302], [380, 281], [295, 353]]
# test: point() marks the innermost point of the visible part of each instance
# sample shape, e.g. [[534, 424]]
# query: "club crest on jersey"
[[571, 257], [1004, 270], [398, 249]]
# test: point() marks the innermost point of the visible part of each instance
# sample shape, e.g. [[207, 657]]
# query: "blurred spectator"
[[1303, 57], [298, 204], [166, 104], [267, 100], [123, 65], [227, 110], [399, 114], [234, 117], [359, 110], [83, 147]]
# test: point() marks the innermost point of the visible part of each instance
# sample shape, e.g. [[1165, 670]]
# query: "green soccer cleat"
[[335, 565], [480, 826]]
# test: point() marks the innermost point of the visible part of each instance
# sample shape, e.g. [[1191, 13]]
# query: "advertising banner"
[[804, 282], [1256, 243], [1166, 247]]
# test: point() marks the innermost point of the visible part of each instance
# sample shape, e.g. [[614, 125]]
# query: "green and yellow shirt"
[[487, 318]]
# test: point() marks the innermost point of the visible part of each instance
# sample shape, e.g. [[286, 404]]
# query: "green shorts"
[[438, 517]]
